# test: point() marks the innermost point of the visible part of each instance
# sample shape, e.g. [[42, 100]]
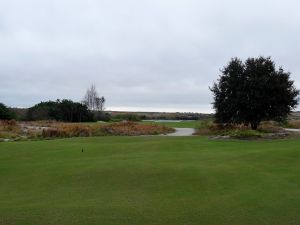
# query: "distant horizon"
[[140, 110], [150, 110]]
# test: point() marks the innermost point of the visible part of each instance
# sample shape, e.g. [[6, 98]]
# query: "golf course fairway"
[[150, 181]]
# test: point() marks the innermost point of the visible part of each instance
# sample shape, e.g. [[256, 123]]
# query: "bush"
[[243, 133], [63, 130], [294, 124], [208, 127], [238, 131], [101, 116], [135, 129], [270, 127], [6, 113], [69, 130], [8, 125], [9, 129]]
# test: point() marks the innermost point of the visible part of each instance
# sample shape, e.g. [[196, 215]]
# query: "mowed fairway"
[[150, 180]]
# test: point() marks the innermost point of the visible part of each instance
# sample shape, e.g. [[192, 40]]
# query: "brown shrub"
[[269, 127], [118, 129], [221, 129], [295, 124], [134, 129], [51, 129], [69, 130], [9, 129], [9, 125]]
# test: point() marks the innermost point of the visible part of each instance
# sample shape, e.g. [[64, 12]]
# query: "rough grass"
[[51, 129], [135, 129], [239, 131], [294, 124], [150, 181], [113, 129], [9, 129]]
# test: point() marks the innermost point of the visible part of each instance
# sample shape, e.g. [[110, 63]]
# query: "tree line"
[[245, 93], [60, 110], [90, 109]]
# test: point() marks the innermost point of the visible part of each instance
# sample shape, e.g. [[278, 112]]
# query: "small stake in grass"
[[81, 150]]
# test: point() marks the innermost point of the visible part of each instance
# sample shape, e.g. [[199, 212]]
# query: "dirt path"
[[182, 132]]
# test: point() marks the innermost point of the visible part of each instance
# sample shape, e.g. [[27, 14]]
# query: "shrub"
[[270, 127], [243, 133], [51, 129], [135, 129], [295, 124], [101, 116], [8, 125], [6, 113], [68, 130], [9, 129], [238, 130]]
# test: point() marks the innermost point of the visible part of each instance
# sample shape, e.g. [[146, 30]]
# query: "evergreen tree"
[[253, 91]]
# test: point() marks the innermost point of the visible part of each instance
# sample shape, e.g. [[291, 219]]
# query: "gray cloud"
[[142, 55]]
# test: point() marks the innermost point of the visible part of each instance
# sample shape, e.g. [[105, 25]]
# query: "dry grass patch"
[[266, 129], [135, 129], [13, 130], [294, 124]]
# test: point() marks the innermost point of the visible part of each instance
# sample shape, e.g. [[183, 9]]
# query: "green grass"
[[182, 124], [150, 181]]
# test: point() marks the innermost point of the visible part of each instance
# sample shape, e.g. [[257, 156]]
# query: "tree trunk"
[[254, 125]]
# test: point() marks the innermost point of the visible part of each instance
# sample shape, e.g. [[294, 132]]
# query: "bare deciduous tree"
[[100, 104], [92, 99]]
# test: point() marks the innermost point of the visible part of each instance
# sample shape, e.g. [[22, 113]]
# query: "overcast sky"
[[156, 55]]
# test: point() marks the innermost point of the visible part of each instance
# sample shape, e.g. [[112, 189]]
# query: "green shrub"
[[6, 113], [243, 133]]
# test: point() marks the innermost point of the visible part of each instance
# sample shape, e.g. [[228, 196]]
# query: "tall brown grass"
[[118, 129], [210, 128], [65, 130], [295, 124], [135, 129], [9, 129]]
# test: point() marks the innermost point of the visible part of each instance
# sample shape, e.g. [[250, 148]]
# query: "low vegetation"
[[294, 124], [9, 129], [135, 129], [266, 129], [6, 113], [12, 130]]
